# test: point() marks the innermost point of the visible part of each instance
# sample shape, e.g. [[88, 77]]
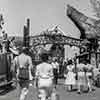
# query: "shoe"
[[78, 92]]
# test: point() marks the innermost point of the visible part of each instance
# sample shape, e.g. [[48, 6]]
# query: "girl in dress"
[[70, 77]]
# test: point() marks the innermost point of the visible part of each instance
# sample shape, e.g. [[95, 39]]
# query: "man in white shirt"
[[44, 75]]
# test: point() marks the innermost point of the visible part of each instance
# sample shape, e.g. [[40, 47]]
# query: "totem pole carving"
[[26, 38], [1, 21]]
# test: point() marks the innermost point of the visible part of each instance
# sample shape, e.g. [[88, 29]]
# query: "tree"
[[96, 7]]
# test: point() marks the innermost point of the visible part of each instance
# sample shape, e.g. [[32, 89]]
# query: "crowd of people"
[[80, 77]]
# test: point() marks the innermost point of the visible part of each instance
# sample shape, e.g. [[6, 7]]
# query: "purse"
[[24, 72]]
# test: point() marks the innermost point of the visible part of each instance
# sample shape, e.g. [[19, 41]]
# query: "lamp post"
[[75, 62]]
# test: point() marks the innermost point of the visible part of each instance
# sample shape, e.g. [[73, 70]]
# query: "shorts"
[[24, 83], [45, 85]]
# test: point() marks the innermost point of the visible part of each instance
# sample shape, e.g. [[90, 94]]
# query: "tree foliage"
[[96, 7]]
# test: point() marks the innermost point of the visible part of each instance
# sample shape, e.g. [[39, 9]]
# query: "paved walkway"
[[13, 94]]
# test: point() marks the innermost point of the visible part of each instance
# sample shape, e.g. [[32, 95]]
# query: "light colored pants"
[[45, 87]]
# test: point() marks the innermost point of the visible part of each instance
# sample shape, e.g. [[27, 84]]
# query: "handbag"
[[23, 71]]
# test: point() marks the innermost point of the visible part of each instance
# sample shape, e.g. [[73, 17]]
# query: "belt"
[[44, 77]]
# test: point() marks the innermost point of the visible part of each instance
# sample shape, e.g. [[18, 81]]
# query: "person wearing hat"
[[22, 65]]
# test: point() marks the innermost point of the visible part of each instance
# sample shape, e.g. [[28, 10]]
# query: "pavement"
[[13, 94]]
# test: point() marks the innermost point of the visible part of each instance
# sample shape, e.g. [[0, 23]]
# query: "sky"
[[42, 13]]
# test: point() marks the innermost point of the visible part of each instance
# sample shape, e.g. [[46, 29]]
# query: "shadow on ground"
[[6, 89]]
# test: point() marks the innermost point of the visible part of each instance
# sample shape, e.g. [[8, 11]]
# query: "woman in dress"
[[70, 76]]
